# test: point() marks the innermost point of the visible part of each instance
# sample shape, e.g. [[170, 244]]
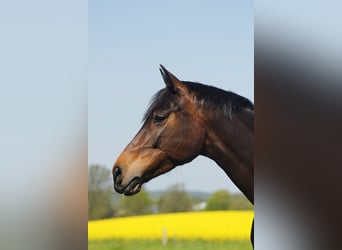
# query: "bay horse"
[[186, 119]]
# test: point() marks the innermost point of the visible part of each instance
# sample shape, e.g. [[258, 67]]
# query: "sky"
[[196, 40]]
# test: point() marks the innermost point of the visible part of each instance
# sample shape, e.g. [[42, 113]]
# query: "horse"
[[186, 119]]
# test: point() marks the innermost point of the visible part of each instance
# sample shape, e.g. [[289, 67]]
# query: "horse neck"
[[230, 144]]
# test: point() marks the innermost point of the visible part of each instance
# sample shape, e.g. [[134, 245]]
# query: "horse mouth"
[[132, 188]]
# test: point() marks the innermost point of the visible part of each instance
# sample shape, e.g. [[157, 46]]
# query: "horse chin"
[[162, 168]]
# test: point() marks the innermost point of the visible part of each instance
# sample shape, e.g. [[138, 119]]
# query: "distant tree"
[[220, 200], [240, 202], [175, 199], [136, 205], [99, 192]]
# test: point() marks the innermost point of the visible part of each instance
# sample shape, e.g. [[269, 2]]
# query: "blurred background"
[[43, 130], [104, 203]]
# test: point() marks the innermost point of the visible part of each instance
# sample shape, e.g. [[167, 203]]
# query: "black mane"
[[206, 96]]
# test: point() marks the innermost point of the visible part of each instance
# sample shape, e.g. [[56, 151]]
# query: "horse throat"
[[230, 144]]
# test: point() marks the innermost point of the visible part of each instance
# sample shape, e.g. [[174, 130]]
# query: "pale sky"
[[195, 40]]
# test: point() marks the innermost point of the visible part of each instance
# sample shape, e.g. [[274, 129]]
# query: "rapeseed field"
[[217, 225]]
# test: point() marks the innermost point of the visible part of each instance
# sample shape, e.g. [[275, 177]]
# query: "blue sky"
[[196, 40]]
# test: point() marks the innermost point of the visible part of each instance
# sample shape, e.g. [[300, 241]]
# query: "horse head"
[[171, 135]]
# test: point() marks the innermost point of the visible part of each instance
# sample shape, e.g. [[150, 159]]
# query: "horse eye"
[[159, 118]]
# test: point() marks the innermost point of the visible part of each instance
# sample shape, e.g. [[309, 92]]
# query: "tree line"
[[104, 202]]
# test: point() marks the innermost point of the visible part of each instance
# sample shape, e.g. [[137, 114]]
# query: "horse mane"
[[213, 98], [208, 97]]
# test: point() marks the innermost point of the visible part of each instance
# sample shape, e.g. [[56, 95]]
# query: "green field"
[[171, 245]]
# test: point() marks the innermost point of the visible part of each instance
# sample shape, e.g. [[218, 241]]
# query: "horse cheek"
[[190, 145]]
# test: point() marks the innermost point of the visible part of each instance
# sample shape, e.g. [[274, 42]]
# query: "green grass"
[[171, 245]]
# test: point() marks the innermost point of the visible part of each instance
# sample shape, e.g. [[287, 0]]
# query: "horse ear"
[[171, 82]]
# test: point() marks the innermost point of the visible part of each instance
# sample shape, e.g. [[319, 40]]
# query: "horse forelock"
[[161, 100]]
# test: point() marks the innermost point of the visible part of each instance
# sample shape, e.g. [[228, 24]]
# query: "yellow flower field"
[[217, 225]]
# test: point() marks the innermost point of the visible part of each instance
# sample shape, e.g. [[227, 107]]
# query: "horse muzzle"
[[131, 188]]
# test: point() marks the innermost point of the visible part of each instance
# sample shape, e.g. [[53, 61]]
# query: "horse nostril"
[[116, 173]]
